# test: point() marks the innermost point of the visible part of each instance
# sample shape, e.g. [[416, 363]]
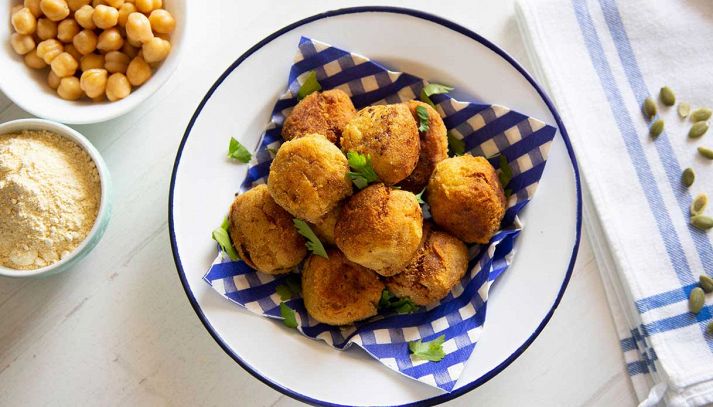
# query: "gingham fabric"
[[488, 130]]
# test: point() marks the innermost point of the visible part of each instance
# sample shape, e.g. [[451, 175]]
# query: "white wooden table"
[[118, 329]]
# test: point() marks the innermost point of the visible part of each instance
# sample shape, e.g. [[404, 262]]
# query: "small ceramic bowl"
[[104, 213], [28, 87]]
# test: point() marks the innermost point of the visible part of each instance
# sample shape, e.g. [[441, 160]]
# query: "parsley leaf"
[[505, 173], [363, 173], [419, 196], [433, 89], [390, 302], [309, 85], [290, 320], [423, 119], [284, 292], [456, 146], [221, 236], [432, 350], [238, 151], [313, 242]]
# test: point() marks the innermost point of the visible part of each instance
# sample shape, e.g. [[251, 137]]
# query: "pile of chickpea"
[[97, 48]]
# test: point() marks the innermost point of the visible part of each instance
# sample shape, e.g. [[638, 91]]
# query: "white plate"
[[239, 104]]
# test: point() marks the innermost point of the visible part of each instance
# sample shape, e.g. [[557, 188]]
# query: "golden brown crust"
[[325, 113], [380, 228], [434, 148], [263, 233], [338, 292], [309, 176], [466, 198], [324, 227], [388, 133], [435, 269]]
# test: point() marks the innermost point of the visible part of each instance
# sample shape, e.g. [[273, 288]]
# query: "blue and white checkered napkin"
[[488, 130], [601, 59]]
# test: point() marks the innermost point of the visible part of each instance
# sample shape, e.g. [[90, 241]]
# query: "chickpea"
[[93, 82], [138, 28], [16, 8], [69, 88], [110, 40], [24, 22], [163, 36], [156, 50], [100, 98], [146, 6], [22, 44], [75, 5], [53, 80], [97, 2], [116, 61], [55, 10], [46, 29], [85, 42], [72, 50], [130, 50], [117, 87], [124, 11], [138, 71], [114, 3], [34, 6], [67, 29], [64, 65], [162, 21], [33, 61], [105, 17], [84, 17], [135, 44], [92, 61], [49, 49]]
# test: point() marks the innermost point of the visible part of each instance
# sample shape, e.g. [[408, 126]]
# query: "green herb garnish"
[[221, 236], [433, 89], [432, 350], [390, 302], [294, 282], [284, 292], [290, 319], [313, 243], [238, 151], [423, 119], [363, 173], [419, 196], [456, 146], [310, 85], [505, 174]]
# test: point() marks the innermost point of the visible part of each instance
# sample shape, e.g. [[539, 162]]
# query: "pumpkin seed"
[[706, 152], [699, 204], [696, 300], [667, 96], [684, 109], [688, 177], [649, 107], [656, 128], [698, 130], [706, 283], [701, 114], [702, 222], [709, 328]]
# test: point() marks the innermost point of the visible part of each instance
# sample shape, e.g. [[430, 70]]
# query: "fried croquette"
[[380, 228], [339, 292], [388, 133], [466, 198], [436, 268], [433, 149], [309, 176], [263, 233], [325, 113], [324, 227]]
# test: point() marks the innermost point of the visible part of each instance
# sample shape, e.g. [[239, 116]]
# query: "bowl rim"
[[116, 109], [102, 169], [459, 29]]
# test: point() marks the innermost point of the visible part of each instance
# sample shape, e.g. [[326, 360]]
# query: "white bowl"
[[28, 87], [104, 213]]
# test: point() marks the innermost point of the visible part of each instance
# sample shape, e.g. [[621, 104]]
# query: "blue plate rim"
[[455, 27]]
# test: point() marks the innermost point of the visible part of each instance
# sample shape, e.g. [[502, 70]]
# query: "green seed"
[[649, 107], [706, 152], [698, 130], [702, 114], [688, 177], [667, 96], [709, 329], [656, 128], [706, 283], [699, 204], [702, 222], [683, 109], [696, 300]]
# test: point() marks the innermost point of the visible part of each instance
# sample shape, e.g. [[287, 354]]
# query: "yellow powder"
[[49, 198]]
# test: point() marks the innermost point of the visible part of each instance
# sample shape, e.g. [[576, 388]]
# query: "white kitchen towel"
[[600, 59]]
